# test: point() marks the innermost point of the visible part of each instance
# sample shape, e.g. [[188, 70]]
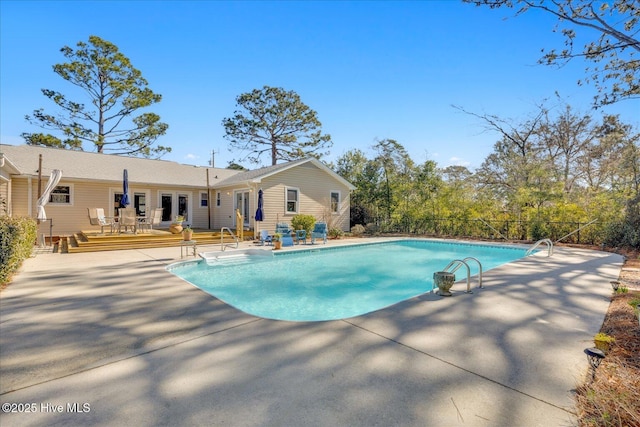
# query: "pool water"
[[339, 282]]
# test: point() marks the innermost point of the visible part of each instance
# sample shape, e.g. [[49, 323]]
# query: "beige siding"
[[314, 187], [314, 184], [19, 202], [69, 219], [5, 197], [224, 215]]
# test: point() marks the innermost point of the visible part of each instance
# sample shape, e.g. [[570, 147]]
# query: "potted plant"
[[603, 341], [187, 233], [176, 226], [444, 281], [277, 241]]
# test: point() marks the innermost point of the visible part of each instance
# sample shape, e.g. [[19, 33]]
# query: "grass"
[[612, 398]]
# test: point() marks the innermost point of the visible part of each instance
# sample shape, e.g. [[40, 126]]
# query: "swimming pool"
[[337, 282]]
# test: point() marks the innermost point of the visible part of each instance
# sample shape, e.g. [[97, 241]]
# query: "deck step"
[[87, 242]]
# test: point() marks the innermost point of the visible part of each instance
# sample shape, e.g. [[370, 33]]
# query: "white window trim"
[[337, 211], [206, 194], [71, 198], [174, 201], [286, 200], [114, 190]]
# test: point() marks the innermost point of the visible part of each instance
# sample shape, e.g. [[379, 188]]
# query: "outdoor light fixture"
[[615, 284], [595, 356]]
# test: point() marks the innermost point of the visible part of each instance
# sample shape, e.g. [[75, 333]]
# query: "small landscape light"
[[615, 284], [595, 356]]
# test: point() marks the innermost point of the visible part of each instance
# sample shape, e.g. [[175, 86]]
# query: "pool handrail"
[[470, 258], [538, 243], [459, 263], [222, 245]]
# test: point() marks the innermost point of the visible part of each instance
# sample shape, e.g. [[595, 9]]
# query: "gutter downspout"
[[30, 196], [208, 201]]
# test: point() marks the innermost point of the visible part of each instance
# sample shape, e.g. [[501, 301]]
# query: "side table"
[[185, 245]]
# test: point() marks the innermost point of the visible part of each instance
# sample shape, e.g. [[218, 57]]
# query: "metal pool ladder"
[[457, 263], [538, 243], [222, 245]]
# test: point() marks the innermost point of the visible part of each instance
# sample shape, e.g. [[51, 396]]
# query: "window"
[[335, 201], [218, 196], [61, 195], [204, 199], [292, 200]]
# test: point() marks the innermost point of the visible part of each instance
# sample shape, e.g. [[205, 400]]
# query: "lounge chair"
[[97, 217], [154, 219], [127, 218], [265, 238], [320, 232]]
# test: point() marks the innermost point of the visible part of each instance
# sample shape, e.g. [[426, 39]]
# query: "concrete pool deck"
[[112, 338]]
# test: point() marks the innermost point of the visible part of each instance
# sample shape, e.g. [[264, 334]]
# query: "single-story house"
[[207, 197]]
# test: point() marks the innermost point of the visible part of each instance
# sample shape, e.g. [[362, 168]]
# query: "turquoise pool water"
[[339, 282]]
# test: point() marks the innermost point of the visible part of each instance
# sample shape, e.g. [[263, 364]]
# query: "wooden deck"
[[92, 241]]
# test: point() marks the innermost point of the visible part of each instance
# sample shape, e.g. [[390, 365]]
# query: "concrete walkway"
[[113, 339]]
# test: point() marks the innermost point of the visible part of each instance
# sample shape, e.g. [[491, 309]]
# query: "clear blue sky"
[[370, 69]]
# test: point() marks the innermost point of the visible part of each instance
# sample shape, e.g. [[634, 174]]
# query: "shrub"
[[538, 231], [335, 233], [303, 222], [17, 237], [357, 230], [372, 228]]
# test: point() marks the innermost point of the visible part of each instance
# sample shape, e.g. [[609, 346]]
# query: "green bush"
[[303, 222], [538, 231], [622, 234], [335, 233], [17, 237]]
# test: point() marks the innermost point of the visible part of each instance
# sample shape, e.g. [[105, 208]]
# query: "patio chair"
[[301, 236], [265, 238], [285, 231], [154, 219], [126, 219], [320, 232], [96, 217], [283, 228]]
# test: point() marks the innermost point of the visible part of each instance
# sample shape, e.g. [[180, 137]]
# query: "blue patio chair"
[[301, 236], [265, 238], [285, 231], [283, 228], [320, 232]]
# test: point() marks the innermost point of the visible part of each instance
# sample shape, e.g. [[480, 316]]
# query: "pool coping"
[[141, 346]]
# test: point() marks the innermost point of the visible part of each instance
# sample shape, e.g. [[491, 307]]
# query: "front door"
[[167, 206], [175, 204], [183, 203], [242, 203]]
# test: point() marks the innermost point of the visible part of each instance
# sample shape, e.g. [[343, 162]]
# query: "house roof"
[[257, 175], [88, 166], [82, 165]]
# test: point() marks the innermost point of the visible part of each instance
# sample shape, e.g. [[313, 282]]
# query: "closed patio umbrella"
[[54, 179], [124, 202], [259, 213]]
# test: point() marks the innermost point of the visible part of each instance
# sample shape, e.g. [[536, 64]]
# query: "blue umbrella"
[[125, 190], [259, 210]]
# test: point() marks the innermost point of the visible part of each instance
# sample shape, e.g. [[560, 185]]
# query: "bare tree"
[[614, 54]]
